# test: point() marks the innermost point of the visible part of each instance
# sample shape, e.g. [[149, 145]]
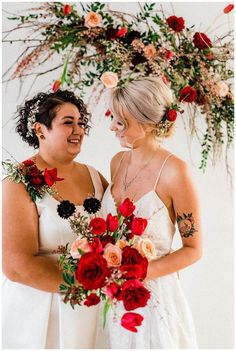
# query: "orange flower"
[[149, 51], [146, 248], [109, 79], [113, 255], [228, 8], [93, 19]]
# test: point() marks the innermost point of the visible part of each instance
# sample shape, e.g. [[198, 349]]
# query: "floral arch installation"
[[99, 48]]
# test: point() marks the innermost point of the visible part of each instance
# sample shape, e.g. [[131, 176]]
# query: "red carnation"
[[91, 300], [67, 9], [201, 41], [138, 225], [92, 271], [131, 320], [121, 32], [228, 8], [50, 176], [188, 94], [133, 264], [126, 208], [112, 223], [134, 294], [175, 23], [56, 85], [28, 163], [171, 115], [98, 226]]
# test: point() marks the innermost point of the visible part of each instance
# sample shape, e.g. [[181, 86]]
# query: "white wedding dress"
[[34, 319], [167, 318]]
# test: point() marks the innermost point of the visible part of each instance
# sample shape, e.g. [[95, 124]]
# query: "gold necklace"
[[127, 184]]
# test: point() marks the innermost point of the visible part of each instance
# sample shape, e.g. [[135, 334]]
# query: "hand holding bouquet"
[[108, 261]]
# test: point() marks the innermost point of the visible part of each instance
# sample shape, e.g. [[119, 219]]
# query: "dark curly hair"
[[48, 102]]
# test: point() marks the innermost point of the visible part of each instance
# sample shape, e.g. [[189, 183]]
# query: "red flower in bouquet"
[[92, 299], [188, 94], [228, 8], [113, 290], [121, 32], [134, 294], [201, 41], [50, 176], [126, 208], [98, 226], [28, 163], [112, 223], [138, 225], [131, 320], [175, 23], [96, 246], [133, 264], [35, 178], [107, 239], [67, 9], [92, 271]]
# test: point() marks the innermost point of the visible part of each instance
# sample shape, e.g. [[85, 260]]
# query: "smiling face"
[[66, 134], [129, 131]]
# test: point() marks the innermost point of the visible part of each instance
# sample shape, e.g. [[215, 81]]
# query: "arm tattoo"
[[186, 225]]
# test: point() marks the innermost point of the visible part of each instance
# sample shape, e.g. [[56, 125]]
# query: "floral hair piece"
[[32, 118]]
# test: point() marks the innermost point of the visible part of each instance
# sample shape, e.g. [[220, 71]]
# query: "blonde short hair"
[[146, 99]]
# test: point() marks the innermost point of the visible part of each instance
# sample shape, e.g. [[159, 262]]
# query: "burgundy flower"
[[201, 41], [133, 264], [188, 94], [107, 239], [131, 320], [107, 113], [171, 115], [28, 163], [175, 23], [91, 300], [134, 294], [92, 271]]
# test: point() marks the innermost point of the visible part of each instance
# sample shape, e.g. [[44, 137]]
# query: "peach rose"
[[146, 248], [92, 19], [81, 244], [109, 79], [122, 243], [112, 254], [221, 89], [149, 51]]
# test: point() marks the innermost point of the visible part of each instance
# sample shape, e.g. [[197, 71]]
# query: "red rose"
[[133, 264], [112, 223], [56, 85], [37, 181], [228, 8], [96, 246], [28, 163], [91, 300], [175, 23], [114, 291], [67, 9], [107, 239], [126, 208], [131, 320], [134, 294], [138, 225], [92, 271], [50, 176], [168, 55], [188, 94], [171, 115], [201, 41], [121, 32], [98, 226], [107, 113]]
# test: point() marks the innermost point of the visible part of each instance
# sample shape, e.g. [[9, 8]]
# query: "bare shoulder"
[[116, 159]]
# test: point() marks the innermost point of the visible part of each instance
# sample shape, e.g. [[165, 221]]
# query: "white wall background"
[[209, 283]]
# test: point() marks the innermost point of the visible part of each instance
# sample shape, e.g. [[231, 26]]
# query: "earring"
[[42, 136]]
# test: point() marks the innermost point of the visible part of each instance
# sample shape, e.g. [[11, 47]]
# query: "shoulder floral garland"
[[37, 182]]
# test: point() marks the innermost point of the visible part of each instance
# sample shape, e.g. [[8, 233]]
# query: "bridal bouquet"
[[108, 261]]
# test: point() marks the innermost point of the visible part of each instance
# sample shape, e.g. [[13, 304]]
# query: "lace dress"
[[34, 319], [167, 318]]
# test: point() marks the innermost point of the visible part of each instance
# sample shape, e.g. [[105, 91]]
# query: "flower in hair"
[[32, 118], [109, 79], [92, 205]]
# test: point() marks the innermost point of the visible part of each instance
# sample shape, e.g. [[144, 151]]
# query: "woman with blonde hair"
[[161, 187]]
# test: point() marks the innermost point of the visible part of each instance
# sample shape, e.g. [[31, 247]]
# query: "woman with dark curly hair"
[[34, 315]]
